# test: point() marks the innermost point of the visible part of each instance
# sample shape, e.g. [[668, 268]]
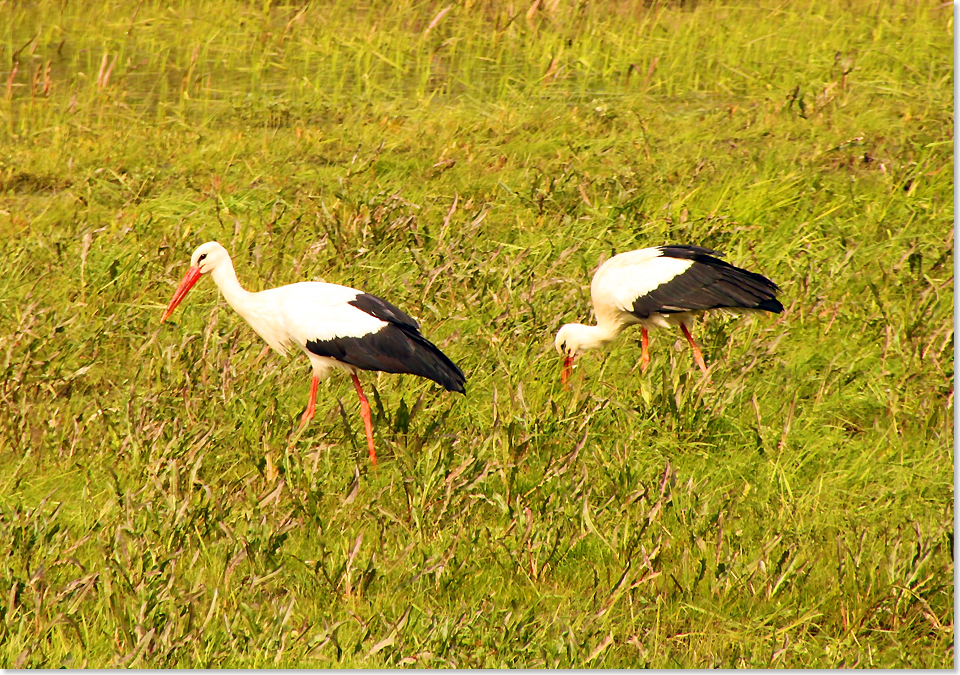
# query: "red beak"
[[193, 276], [565, 373]]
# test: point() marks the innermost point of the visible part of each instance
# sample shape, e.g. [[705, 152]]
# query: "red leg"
[[697, 354], [311, 406], [645, 350], [367, 422]]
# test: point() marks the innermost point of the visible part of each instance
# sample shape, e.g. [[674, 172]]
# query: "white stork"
[[661, 287], [337, 327]]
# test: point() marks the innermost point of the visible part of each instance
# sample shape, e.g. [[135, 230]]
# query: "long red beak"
[[567, 368], [193, 276]]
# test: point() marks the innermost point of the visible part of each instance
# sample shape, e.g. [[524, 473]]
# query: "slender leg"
[[367, 422], [645, 350], [697, 354], [311, 406]]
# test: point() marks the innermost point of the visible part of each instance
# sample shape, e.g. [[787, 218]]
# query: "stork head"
[[209, 256], [206, 259], [574, 339]]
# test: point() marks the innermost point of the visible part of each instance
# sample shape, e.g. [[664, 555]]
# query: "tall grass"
[[473, 164]]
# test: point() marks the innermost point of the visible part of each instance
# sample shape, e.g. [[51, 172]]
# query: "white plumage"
[[337, 327], [628, 276]]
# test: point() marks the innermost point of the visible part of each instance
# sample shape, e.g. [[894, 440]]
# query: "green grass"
[[473, 166]]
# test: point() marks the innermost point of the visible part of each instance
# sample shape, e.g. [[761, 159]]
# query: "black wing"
[[383, 310], [709, 283], [397, 347]]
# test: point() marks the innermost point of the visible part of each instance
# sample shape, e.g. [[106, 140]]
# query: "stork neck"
[[595, 337], [225, 277], [260, 310]]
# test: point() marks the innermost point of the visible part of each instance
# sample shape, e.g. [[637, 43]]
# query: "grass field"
[[473, 163]]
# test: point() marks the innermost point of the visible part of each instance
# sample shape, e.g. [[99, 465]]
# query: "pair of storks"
[[341, 328]]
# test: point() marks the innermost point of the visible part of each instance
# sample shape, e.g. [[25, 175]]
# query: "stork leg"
[[311, 406], [644, 350], [697, 354], [367, 422]]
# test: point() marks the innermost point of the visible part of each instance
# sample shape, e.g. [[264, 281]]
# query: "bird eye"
[[202, 256]]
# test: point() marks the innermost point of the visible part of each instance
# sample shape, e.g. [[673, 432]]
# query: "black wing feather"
[[709, 283], [398, 347], [383, 310], [687, 252]]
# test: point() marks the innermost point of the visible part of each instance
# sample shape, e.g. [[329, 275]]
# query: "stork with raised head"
[[337, 327], [661, 287]]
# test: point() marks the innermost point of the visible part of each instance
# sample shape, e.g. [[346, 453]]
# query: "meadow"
[[474, 163]]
